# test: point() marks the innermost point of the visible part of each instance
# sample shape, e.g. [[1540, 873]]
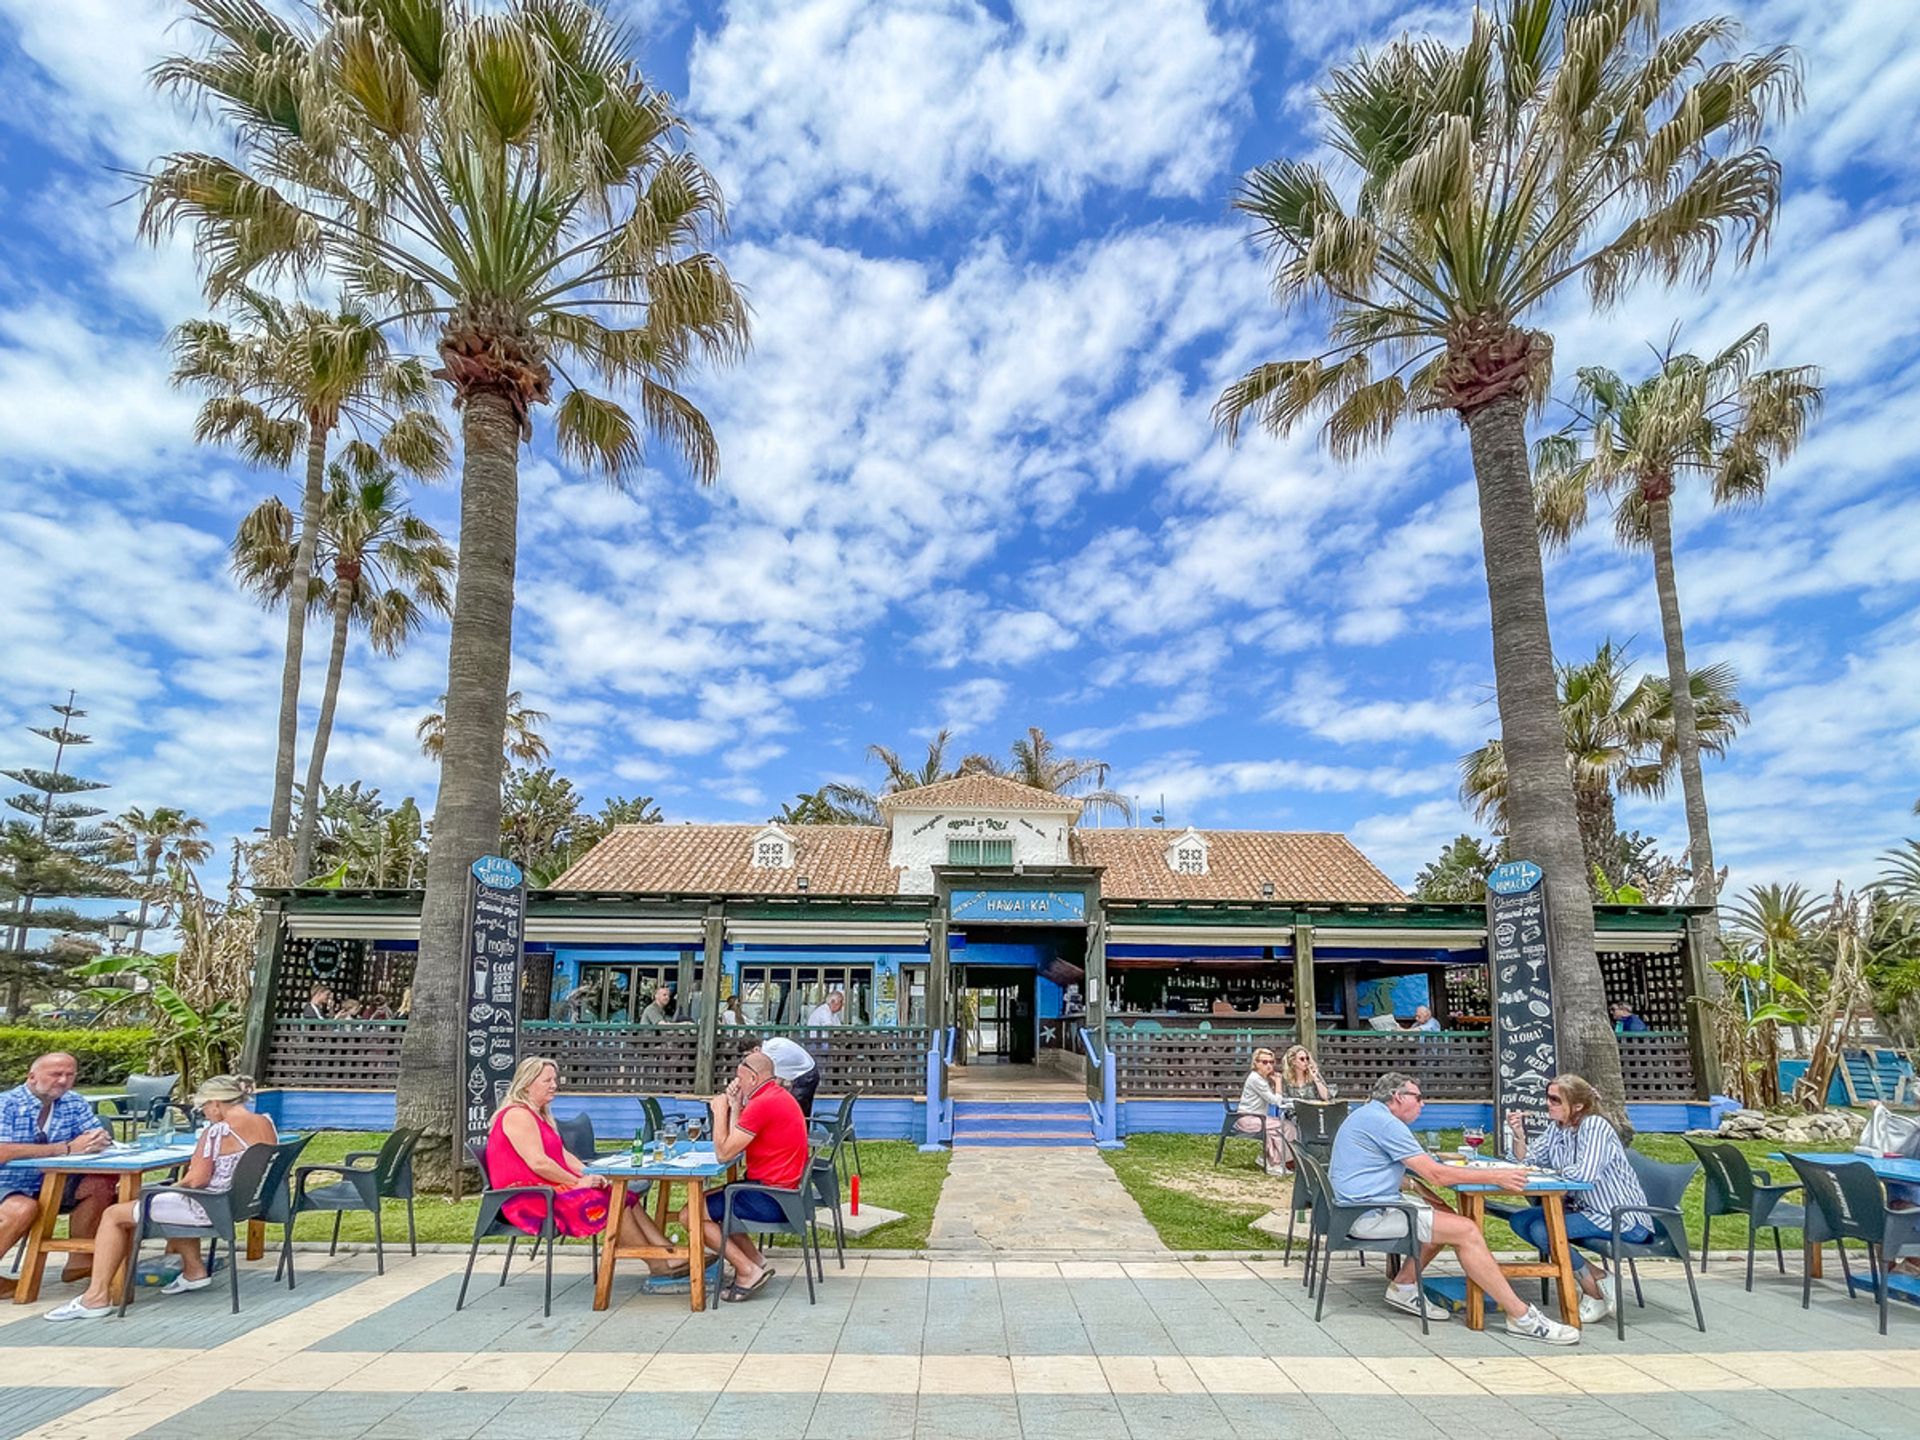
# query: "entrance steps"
[[1004, 1124]]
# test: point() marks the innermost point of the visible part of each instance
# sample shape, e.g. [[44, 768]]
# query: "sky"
[[969, 478]]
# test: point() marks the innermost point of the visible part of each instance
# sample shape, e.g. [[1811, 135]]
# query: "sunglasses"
[[1553, 1099]]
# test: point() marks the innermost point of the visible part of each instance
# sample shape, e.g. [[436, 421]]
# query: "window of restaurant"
[[786, 994], [983, 854], [617, 992]]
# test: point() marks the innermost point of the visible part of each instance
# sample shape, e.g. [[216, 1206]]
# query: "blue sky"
[[969, 478]]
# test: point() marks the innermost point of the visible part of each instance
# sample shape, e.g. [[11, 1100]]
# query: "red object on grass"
[[855, 1207]]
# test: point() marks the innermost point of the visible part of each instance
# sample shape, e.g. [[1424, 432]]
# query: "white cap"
[[790, 1061]]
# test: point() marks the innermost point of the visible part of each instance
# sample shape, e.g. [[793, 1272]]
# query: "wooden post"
[[1350, 994], [1700, 1043], [1306, 1004], [938, 967], [712, 962], [1096, 978], [1437, 996], [269, 946]]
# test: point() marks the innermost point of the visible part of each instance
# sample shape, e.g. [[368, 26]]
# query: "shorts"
[[751, 1206], [1392, 1224], [803, 1088], [177, 1210]]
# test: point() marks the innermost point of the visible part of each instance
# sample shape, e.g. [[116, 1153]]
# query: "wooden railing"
[[617, 1059], [334, 1054], [877, 1060], [1452, 1065], [1658, 1065]]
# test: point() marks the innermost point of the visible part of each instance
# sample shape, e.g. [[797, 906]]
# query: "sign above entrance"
[[1016, 906]]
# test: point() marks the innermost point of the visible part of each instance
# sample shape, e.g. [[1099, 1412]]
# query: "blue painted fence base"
[[1202, 1117]]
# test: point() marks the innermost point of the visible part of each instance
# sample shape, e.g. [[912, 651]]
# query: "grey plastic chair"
[[1734, 1187], [1329, 1234], [367, 1177], [798, 1217], [226, 1210], [824, 1168], [144, 1093], [1228, 1131], [490, 1224], [1663, 1184], [1847, 1201], [273, 1202]]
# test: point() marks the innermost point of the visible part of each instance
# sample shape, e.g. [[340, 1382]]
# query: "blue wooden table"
[[1887, 1167], [128, 1164], [691, 1168], [1551, 1191]]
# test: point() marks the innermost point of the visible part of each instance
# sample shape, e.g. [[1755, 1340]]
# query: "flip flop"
[[736, 1292]]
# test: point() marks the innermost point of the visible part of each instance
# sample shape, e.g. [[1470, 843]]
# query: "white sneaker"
[[74, 1310], [1610, 1291], [12, 1266], [1594, 1309], [1412, 1302], [180, 1285], [1535, 1326]]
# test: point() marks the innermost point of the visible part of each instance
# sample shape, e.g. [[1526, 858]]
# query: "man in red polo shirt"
[[759, 1118]]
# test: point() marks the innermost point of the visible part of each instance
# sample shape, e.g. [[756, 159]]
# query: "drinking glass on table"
[[696, 1127], [1473, 1137], [670, 1137]]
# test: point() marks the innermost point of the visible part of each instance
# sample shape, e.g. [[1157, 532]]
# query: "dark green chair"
[[145, 1093], [490, 1224], [829, 1140], [1229, 1130], [1734, 1187], [226, 1210], [1847, 1201], [1328, 1233], [366, 1178], [799, 1217], [1663, 1185], [273, 1203]]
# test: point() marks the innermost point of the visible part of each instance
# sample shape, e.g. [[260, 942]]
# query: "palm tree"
[[164, 836], [1717, 421], [389, 569], [819, 807], [280, 381], [507, 180], [1558, 144], [1620, 740], [1035, 760], [857, 805], [524, 742]]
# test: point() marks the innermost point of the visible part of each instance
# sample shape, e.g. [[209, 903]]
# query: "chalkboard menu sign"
[[1525, 1048], [496, 950]]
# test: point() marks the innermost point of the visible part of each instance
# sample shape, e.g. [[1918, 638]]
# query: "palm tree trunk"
[[140, 926], [1595, 806], [1542, 823], [280, 819], [323, 729], [1686, 734], [466, 817]]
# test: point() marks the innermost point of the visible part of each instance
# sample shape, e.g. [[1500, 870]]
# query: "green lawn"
[[894, 1175], [1196, 1207]]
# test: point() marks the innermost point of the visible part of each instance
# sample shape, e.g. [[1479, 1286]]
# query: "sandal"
[[737, 1292]]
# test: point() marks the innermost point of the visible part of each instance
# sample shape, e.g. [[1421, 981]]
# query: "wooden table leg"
[[610, 1242], [52, 1185], [1471, 1208], [1560, 1253], [1817, 1263], [697, 1244], [256, 1239]]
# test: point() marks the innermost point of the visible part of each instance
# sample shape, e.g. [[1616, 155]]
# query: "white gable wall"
[[919, 840]]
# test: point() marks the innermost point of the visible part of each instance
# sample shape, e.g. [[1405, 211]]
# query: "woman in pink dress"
[[524, 1148]]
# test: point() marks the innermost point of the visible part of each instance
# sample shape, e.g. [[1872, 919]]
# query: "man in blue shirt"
[[1625, 1022], [40, 1119], [1373, 1150]]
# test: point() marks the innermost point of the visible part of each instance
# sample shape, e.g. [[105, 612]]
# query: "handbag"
[[1889, 1134]]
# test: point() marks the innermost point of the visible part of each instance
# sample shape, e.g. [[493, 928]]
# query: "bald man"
[[39, 1120], [756, 1117]]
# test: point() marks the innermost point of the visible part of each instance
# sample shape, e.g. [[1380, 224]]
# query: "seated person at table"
[[1300, 1076], [1423, 1019], [1258, 1098], [231, 1129], [1372, 1153], [756, 1118], [794, 1068], [525, 1148], [38, 1120], [1580, 1144]]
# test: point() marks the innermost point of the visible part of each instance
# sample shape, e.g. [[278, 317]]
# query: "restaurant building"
[[979, 937]]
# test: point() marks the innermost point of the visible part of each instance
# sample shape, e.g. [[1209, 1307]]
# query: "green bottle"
[[640, 1147]]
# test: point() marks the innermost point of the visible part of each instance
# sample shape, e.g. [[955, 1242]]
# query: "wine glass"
[[670, 1137], [696, 1127], [1473, 1137]]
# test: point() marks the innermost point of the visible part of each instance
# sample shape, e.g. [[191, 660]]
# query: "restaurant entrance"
[[998, 1006]]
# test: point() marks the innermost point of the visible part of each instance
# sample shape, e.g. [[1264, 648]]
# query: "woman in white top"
[[1259, 1097], [231, 1129]]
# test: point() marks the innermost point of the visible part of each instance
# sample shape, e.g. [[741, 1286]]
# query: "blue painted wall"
[[1022, 954], [1202, 1117]]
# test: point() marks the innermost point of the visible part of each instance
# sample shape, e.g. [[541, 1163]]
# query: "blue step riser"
[[1046, 1112], [964, 1126], [1010, 1142]]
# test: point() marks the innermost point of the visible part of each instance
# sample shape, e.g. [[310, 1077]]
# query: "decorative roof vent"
[[773, 849], [1187, 855]]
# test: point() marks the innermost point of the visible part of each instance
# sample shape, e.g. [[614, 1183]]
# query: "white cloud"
[[970, 706]]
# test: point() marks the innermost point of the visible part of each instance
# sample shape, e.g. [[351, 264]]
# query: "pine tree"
[[56, 853]]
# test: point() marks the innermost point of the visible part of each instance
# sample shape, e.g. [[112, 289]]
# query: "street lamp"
[[118, 928]]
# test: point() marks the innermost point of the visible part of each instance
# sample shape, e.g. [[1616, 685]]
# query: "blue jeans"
[[1531, 1226]]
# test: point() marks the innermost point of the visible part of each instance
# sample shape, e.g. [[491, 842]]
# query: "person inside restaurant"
[[660, 1010], [1581, 1144], [40, 1119], [1625, 1022], [757, 1118], [1373, 1151], [827, 1012], [794, 1068]]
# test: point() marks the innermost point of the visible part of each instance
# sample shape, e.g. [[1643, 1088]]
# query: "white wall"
[[920, 838]]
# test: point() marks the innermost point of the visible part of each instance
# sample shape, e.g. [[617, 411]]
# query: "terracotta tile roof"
[[979, 791], [716, 860], [1300, 865]]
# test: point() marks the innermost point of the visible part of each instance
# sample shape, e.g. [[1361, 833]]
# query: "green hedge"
[[106, 1056]]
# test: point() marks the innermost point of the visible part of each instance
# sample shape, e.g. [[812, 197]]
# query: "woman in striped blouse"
[[1580, 1144]]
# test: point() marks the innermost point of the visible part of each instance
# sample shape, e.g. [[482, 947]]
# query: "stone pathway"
[[1027, 1201]]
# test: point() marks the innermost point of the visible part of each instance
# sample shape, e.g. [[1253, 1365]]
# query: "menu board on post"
[[1521, 979], [496, 952]]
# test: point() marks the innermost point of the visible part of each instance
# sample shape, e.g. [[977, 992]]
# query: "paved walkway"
[[1019, 1201], [953, 1348]]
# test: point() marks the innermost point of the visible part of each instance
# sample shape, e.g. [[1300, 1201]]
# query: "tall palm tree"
[[280, 380], [1035, 760], [505, 179], [1559, 144], [386, 570], [523, 741], [163, 836], [857, 805], [1719, 422], [1621, 739]]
